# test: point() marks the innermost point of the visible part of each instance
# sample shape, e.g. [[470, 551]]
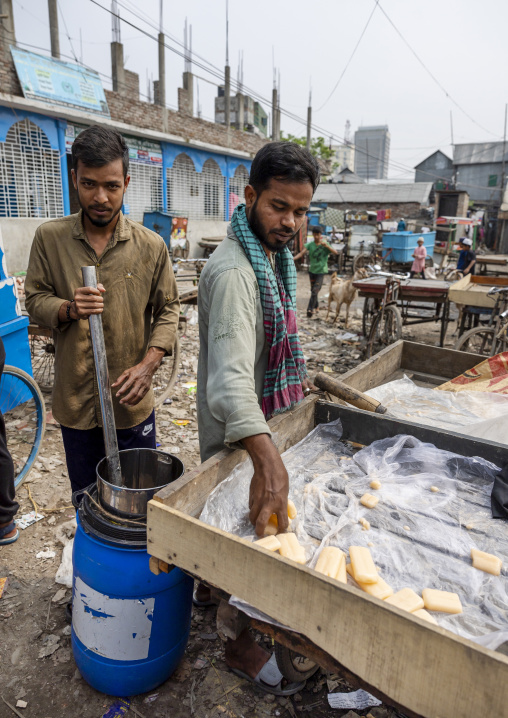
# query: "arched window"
[[30, 174], [237, 186], [184, 195], [213, 190], [145, 189]]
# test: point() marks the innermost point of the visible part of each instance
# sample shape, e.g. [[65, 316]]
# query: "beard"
[[96, 221], [268, 239]]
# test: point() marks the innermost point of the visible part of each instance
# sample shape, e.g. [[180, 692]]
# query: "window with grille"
[[196, 195], [145, 189], [237, 186], [30, 174]]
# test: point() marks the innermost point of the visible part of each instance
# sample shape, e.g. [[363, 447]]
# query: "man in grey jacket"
[[250, 364]]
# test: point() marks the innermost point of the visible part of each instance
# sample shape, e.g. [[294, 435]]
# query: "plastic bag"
[[444, 409], [419, 538]]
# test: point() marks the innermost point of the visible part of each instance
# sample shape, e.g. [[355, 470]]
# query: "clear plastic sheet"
[[418, 538], [455, 411]]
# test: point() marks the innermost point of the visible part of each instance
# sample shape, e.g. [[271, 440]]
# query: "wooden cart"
[[425, 670], [424, 364], [471, 293], [413, 294]]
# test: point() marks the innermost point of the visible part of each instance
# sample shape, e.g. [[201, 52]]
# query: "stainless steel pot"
[[144, 472]]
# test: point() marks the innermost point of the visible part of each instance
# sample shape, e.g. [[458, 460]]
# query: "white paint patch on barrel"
[[116, 628]]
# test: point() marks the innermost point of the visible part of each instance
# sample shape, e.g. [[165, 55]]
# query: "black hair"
[[285, 161], [316, 230], [98, 146]]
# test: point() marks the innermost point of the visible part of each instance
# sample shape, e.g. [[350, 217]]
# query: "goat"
[[343, 292]]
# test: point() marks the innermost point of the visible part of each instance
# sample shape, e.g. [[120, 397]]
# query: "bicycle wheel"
[[370, 307], [165, 377], [42, 350], [477, 340], [385, 331], [22, 406]]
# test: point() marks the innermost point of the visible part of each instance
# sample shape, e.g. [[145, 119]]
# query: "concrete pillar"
[[309, 124], [188, 86], [117, 68], [53, 28], [161, 100], [227, 96], [240, 111], [186, 95], [275, 135], [7, 35]]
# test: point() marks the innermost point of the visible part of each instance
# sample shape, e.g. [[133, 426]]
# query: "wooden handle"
[[346, 393]]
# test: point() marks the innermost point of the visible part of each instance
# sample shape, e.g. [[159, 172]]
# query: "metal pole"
[[101, 369], [53, 28]]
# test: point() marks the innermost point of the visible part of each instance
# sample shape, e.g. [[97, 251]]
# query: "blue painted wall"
[[55, 132]]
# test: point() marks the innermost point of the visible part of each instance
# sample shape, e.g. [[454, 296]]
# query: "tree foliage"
[[318, 146]]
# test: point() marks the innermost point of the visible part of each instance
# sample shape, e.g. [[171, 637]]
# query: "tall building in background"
[[343, 156], [372, 152]]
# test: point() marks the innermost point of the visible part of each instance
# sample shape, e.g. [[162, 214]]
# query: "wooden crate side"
[[426, 668], [447, 363], [363, 427], [376, 370], [190, 492]]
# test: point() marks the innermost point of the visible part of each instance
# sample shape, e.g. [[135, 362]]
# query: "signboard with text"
[[64, 83]]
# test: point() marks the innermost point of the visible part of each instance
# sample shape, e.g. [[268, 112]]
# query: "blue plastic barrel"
[[129, 626]]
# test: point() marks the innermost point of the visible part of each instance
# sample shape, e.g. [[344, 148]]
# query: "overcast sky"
[[461, 42]]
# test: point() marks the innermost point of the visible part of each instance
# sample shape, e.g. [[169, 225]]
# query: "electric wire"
[[430, 73], [351, 56]]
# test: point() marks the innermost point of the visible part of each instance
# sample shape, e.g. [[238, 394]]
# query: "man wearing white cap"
[[467, 258]]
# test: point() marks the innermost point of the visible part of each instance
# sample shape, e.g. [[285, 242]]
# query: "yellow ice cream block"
[[486, 562], [422, 613], [380, 589], [406, 599], [271, 543], [369, 500], [332, 563], [375, 484], [290, 548], [272, 526], [444, 601], [363, 566]]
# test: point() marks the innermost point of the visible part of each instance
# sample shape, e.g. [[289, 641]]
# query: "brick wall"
[[8, 78], [150, 117]]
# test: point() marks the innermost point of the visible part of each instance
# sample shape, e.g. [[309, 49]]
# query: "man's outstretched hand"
[[135, 382], [269, 486]]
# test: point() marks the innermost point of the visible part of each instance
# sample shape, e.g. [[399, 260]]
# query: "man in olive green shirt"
[[137, 297], [318, 252]]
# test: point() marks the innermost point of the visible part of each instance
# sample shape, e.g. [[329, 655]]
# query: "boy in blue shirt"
[[467, 258]]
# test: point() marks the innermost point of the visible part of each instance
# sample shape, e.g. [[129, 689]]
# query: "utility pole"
[[53, 28], [503, 163], [7, 34], [309, 120], [162, 60], [454, 177], [500, 223], [227, 77]]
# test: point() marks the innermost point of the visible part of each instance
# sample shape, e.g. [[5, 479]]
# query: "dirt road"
[[37, 662]]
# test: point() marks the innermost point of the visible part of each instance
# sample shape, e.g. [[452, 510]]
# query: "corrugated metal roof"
[[382, 193], [477, 153]]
